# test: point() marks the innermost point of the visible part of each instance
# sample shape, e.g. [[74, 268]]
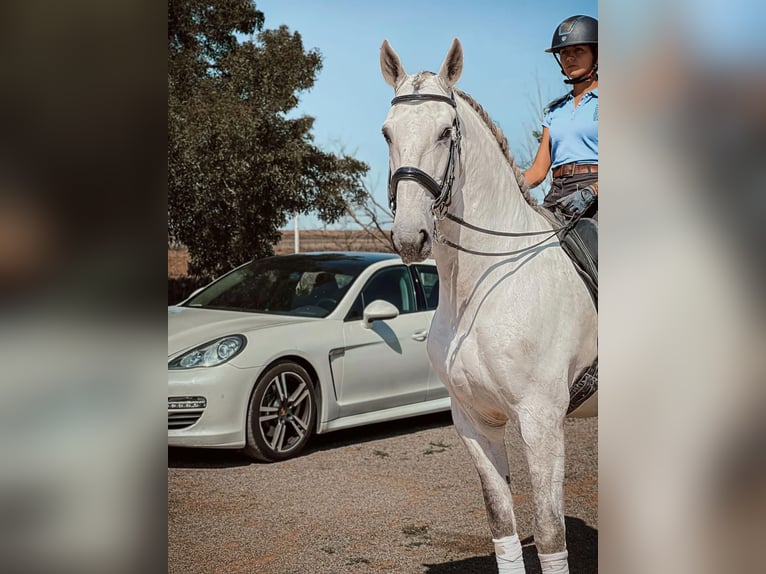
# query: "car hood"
[[189, 326]]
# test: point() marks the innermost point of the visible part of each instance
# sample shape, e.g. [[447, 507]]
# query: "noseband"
[[441, 192]]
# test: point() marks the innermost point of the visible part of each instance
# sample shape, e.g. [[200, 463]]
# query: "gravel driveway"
[[400, 497]]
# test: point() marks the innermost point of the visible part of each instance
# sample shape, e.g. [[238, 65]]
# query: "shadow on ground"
[[582, 542], [206, 458], [226, 458], [476, 565], [378, 431]]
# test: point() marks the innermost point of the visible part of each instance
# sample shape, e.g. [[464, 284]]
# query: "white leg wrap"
[[510, 559], [554, 563]]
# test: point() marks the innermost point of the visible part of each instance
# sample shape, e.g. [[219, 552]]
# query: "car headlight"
[[210, 354]]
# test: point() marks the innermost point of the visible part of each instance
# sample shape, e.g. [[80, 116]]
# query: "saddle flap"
[[587, 229]]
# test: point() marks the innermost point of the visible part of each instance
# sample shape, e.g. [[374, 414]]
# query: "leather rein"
[[442, 192]]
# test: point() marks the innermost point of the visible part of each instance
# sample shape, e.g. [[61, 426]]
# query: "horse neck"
[[488, 196]]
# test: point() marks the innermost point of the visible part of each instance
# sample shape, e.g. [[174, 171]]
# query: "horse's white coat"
[[510, 334]]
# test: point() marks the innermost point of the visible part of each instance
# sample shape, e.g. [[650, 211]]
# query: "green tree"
[[238, 168]]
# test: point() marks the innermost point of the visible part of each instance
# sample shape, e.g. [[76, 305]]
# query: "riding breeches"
[[563, 186]]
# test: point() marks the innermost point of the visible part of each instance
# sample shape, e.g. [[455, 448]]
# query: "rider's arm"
[[539, 168]]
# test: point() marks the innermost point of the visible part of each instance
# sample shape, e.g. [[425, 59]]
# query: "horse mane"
[[417, 83], [502, 141]]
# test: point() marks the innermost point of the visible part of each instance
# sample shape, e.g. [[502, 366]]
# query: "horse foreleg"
[[542, 431], [486, 445]]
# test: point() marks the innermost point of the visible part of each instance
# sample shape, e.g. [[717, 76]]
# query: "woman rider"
[[569, 142]]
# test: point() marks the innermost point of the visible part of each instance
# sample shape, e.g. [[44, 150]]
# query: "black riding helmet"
[[575, 30]]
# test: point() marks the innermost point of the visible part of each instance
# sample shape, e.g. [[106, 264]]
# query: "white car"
[[287, 346]]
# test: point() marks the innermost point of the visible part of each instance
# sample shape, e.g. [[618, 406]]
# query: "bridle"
[[442, 192]]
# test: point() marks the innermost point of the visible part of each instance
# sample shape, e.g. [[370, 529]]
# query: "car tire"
[[282, 413]]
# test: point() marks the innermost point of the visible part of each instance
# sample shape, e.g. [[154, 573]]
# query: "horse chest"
[[474, 370]]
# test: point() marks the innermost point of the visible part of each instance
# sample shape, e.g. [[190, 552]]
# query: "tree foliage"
[[238, 167]]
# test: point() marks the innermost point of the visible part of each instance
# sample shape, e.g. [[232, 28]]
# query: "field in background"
[[310, 240]]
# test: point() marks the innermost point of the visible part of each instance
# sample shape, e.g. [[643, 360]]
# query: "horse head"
[[422, 130]]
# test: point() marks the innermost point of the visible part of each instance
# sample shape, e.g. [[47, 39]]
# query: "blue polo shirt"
[[573, 131]]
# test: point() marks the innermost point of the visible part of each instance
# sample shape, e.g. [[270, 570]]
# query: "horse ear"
[[453, 64], [391, 65]]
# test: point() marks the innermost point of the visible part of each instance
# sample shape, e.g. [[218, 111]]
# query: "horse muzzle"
[[412, 245]]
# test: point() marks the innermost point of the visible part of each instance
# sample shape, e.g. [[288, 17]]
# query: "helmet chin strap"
[[583, 78], [587, 76]]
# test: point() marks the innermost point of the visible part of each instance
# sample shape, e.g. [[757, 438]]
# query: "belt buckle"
[[569, 169]]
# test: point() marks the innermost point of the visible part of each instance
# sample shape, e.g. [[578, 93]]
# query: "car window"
[[393, 284], [429, 281], [293, 286]]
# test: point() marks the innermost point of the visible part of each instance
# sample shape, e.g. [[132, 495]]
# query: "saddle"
[[581, 244]]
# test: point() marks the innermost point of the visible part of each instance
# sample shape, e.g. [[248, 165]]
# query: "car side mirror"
[[378, 310]]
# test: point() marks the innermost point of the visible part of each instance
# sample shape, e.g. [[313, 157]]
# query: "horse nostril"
[[423, 238], [412, 245]]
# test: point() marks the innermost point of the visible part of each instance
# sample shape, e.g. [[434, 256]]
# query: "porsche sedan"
[[291, 345]]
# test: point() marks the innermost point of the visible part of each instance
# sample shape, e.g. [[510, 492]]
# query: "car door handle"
[[420, 335]]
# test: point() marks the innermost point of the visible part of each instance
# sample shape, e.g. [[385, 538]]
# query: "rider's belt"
[[570, 169]]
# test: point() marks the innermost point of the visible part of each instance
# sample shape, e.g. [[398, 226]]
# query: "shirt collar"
[[590, 94]]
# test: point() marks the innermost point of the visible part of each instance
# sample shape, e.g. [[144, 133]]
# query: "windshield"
[[301, 285]]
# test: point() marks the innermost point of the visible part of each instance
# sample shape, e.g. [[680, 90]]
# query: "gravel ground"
[[400, 497]]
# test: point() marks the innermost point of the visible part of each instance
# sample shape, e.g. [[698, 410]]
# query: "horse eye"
[[446, 134], [386, 136]]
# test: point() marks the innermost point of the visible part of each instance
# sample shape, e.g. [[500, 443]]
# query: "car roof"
[[368, 257]]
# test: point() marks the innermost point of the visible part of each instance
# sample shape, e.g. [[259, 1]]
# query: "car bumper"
[[221, 421]]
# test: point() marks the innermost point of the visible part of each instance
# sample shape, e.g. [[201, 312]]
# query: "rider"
[[569, 142]]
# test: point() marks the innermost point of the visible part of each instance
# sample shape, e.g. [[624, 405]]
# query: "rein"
[[440, 238], [442, 192]]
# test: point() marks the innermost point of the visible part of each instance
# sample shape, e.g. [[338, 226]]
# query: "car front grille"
[[178, 421], [183, 412]]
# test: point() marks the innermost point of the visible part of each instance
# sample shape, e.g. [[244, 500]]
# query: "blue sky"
[[504, 64]]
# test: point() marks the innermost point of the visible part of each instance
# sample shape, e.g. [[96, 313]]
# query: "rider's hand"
[[578, 202]]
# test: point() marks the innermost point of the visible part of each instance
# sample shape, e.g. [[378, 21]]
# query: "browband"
[[423, 97]]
